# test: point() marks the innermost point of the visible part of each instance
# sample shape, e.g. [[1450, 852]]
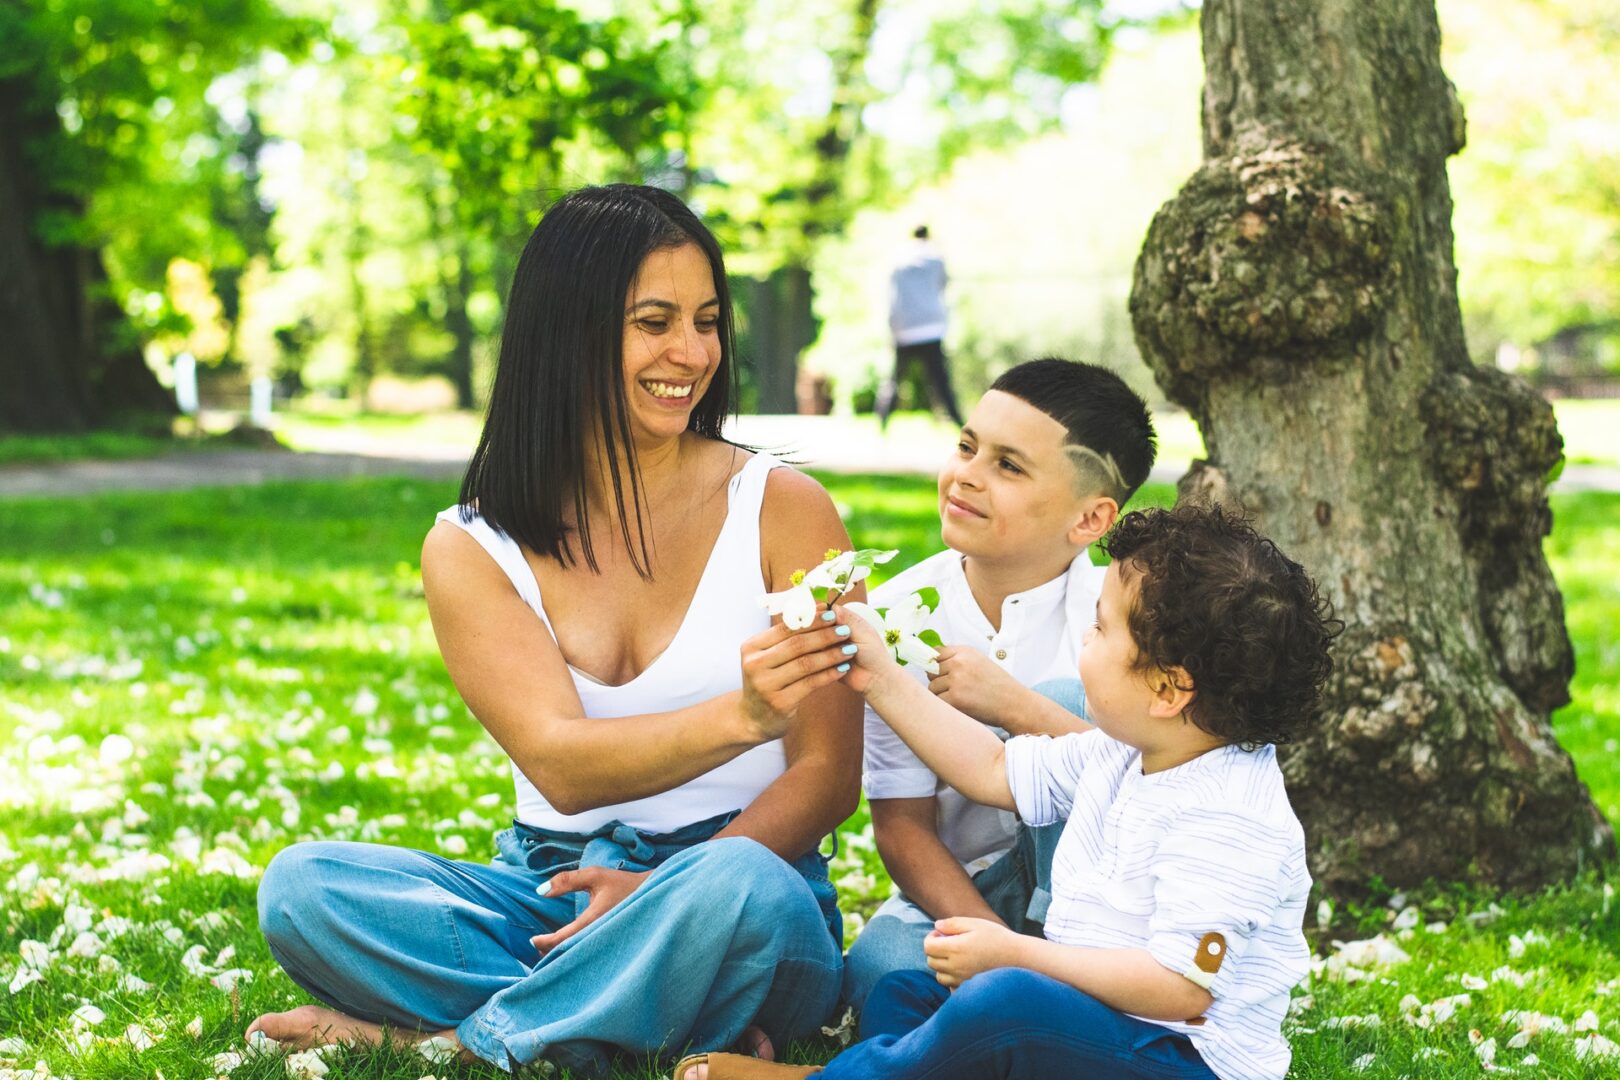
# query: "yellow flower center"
[[797, 577], [831, 554], [891, 637]]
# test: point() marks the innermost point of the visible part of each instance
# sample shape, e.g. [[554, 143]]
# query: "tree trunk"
[[1299, 297], [457, 290], [66, 361], [780, 326]]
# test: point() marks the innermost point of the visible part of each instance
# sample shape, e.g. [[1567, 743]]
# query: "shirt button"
[[1001, 654]]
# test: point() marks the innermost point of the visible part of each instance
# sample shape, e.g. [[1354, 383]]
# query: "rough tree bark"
[[60, 369], [1299, 297]]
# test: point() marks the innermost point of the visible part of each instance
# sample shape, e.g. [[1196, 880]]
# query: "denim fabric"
[[1017, 887], [1007, 1024], [721, 934]]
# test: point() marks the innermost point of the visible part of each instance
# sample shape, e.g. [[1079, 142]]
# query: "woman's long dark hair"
[[562, 367]]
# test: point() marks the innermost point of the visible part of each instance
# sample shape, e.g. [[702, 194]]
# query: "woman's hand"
[[960, 948], [782, 667], [607, 887]]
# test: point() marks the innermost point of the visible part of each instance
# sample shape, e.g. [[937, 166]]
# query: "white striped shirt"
[[1160, 861]]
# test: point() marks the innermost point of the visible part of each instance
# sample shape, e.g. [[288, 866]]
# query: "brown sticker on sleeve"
[[1211, 951]]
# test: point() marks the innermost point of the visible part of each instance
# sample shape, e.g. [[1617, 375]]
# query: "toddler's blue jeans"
[[1018, 888], [1007, 1024], [722, 934]]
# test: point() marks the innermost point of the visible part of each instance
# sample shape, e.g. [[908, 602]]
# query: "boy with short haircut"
[[1175, 932], [1044, 463]]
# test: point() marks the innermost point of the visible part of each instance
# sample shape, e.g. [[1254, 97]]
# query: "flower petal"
[[911, 651], [800, 610], [867, 612]]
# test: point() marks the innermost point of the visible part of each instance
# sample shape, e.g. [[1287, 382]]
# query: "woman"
[[590, 595]]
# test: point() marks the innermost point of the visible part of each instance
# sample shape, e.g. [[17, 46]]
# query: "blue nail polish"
[[843, 631], [843, 667], [828, 616], [849, 650]]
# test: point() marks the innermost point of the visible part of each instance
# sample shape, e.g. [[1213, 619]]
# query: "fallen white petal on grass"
[[134, 984], [1371, 1020], [1595, 1045], [306, 1065], [1473, 982], [24, 977], [78, 918], [138, 1037], [1517, 978], [36, 954], [194, 1027], [87, 946], [1435, 1012], [226, 1062], [231, 979], [228, 863], [1364, 1062], [13, 1047], [844, 1030], [192, 962], [1351, 960], [87, 1016], [439, 1050], [1587, 1021]]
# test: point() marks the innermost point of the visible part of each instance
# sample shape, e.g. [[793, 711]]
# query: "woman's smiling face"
[[671, 340]]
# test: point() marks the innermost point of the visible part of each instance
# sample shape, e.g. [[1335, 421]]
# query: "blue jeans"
[[721, 934], [1007, 1024], [1017, 886]]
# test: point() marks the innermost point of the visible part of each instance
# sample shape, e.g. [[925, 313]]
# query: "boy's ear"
[[1097, 516], [1173, 691]]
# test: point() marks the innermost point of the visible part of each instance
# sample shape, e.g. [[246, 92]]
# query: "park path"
[[809, 441]]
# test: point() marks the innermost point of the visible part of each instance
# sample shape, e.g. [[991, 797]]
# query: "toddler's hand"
[[960, 948], [973, 683], [872, 662]]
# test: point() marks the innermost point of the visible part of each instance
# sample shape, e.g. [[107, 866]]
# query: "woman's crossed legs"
[[721, 935]]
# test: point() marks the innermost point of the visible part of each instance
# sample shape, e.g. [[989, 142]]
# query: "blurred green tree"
[[112, 160]]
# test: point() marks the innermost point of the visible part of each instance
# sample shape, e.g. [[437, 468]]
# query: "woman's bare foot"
[[311, 1025]]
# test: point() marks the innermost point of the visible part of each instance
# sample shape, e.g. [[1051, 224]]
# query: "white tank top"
[[701, 663]]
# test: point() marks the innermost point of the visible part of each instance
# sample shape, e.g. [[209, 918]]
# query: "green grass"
[[98, 445], [267, 654]]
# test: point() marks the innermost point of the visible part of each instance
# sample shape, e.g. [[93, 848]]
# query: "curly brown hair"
[[1244, 621]]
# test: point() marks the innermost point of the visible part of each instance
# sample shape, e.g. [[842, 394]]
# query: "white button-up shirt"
[[1039, 639]]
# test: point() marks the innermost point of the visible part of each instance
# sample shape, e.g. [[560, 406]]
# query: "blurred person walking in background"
[[917, 323]]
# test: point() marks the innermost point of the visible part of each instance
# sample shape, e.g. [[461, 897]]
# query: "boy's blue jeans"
[[722, 934], [1017, 886], [1007, 1024]]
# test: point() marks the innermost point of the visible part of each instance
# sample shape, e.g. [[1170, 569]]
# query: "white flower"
[[837, 574], [899, 626]]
